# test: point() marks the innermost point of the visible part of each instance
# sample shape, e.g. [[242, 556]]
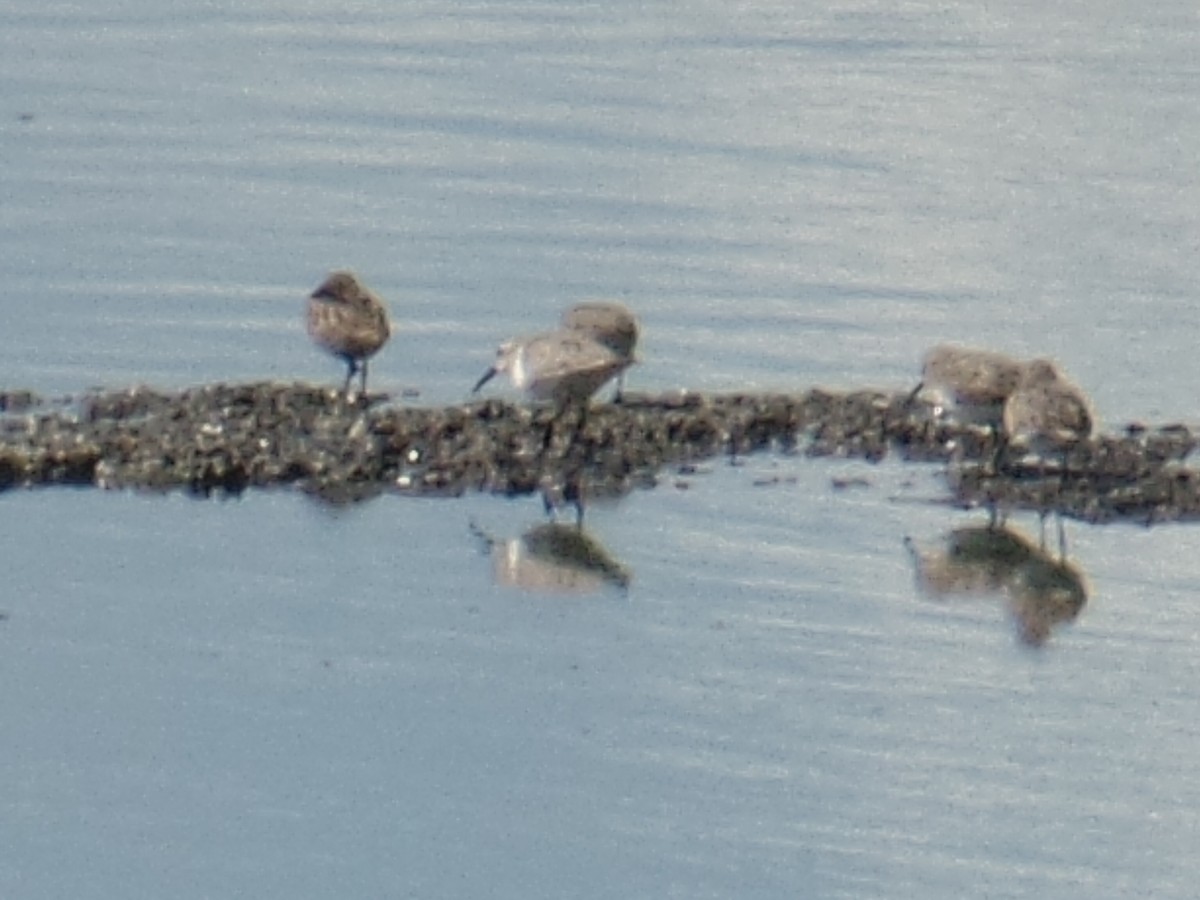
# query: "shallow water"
[[271, 697]]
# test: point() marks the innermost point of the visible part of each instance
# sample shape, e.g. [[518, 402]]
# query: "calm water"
[[266, 697]]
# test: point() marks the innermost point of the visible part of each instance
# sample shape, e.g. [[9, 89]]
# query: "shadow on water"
[[1041, 592], [554, 558]]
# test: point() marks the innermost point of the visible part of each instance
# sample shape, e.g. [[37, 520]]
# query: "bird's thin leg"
[[576, 428], [620, 392], [999, 445], [548, 437], [350, 369], [1044, 509], [362, 373], [576, 486], [997, 518], [583, 415]]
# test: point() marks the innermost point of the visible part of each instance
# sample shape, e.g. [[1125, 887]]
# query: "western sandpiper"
[[565, 366], [349, 320], [610, 323], [1047, 413], [969, 384]]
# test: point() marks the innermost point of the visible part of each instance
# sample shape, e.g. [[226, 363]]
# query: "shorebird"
[[349, 320], [609, 323], [969, 384], [564, 366], [1047, 414]]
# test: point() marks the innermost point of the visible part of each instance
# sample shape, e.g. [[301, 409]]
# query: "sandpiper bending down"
[[970, 385], [349, 320], [607, 322], [564, 366]]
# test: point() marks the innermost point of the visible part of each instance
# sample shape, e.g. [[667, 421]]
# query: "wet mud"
[[227, 438]]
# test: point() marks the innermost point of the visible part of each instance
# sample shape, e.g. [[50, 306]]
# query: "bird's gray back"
[[607, 322]]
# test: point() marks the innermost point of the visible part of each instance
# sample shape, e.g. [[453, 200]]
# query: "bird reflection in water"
[[1041, 592], [554, 558]]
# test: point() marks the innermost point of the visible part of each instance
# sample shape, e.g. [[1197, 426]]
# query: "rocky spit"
[[227, 438]]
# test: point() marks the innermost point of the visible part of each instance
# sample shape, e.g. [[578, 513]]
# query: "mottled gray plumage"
[[1047, 412], [607, 322], [564, 366], [610, 323], [349, 320], [972, 385]]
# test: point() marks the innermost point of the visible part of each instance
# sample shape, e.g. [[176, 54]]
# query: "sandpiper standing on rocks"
[[1047, 413], [970, 385], [609, 323], [565, 366], [349, 320]]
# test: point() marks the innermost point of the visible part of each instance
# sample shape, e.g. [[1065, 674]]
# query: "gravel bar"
[[226, 438]]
